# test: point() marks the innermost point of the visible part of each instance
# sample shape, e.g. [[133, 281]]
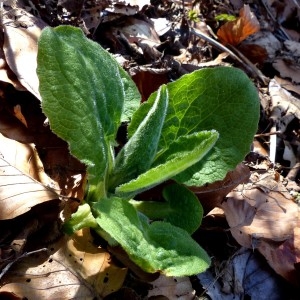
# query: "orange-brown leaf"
[[234, 32]]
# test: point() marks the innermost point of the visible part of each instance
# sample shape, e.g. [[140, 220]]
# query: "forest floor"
[[156, 42]]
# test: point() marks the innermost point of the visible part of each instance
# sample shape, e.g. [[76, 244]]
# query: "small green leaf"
[[85, 94], [187, 212], [181, 208], [225, 17], [158, 246], [183, 153], [137, 155], [221, 98], [80, 219]]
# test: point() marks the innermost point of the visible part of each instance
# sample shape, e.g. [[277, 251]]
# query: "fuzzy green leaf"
[[221, 98], [186, 210], [85, 95], [158, 246], [183, 153], [137, 155], [181, 208], [82, 218]]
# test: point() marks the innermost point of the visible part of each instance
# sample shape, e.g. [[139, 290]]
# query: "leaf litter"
[[266, 203]]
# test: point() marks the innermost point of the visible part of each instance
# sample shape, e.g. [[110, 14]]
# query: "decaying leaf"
[[92, 263], [12, 127], [285, 107], [288, 85], [20, 46], [141, 33], [22, 179], [19, 192], [128, 7], [76, 269], [288, 69], [6, 75], [172, 288], [245, 275], [262, 215], [234, 32]]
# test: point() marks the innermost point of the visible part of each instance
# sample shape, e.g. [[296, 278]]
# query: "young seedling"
[[191, 131]]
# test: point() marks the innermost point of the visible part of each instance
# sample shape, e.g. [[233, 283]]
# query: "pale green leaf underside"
[[221, 98], [183, 153], [83, 91], [159, 246]]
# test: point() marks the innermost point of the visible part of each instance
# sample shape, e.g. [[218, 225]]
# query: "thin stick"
[[26, 254], [233, 52]]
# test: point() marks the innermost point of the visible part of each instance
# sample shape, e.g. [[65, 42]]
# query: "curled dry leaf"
[[263, 216], [76, 262], [234, 32]]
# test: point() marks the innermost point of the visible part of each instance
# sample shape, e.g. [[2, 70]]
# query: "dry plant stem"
[[26, 254], [234, 53]]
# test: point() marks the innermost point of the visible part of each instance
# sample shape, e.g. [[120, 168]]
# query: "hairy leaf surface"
[[221, 98], [183, 153], [138, 153], [85, 95], [158, 246]]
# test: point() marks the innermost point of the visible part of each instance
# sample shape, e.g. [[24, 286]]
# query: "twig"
[[26, 254], [233, 52]]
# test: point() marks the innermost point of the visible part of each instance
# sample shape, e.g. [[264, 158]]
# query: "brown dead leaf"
[[288, 69], [23, 181], [6, 75], [288, 85], [262, 215], [21, 33], [285, 107], [172, 288], [245, 274], [19, 192], [148, 82], [14, 128], [141, 33], [76, 269], [234, 32], [96, 265]]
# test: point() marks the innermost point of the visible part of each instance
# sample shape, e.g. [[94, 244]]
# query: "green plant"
[[193, 16], [192, 131]]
